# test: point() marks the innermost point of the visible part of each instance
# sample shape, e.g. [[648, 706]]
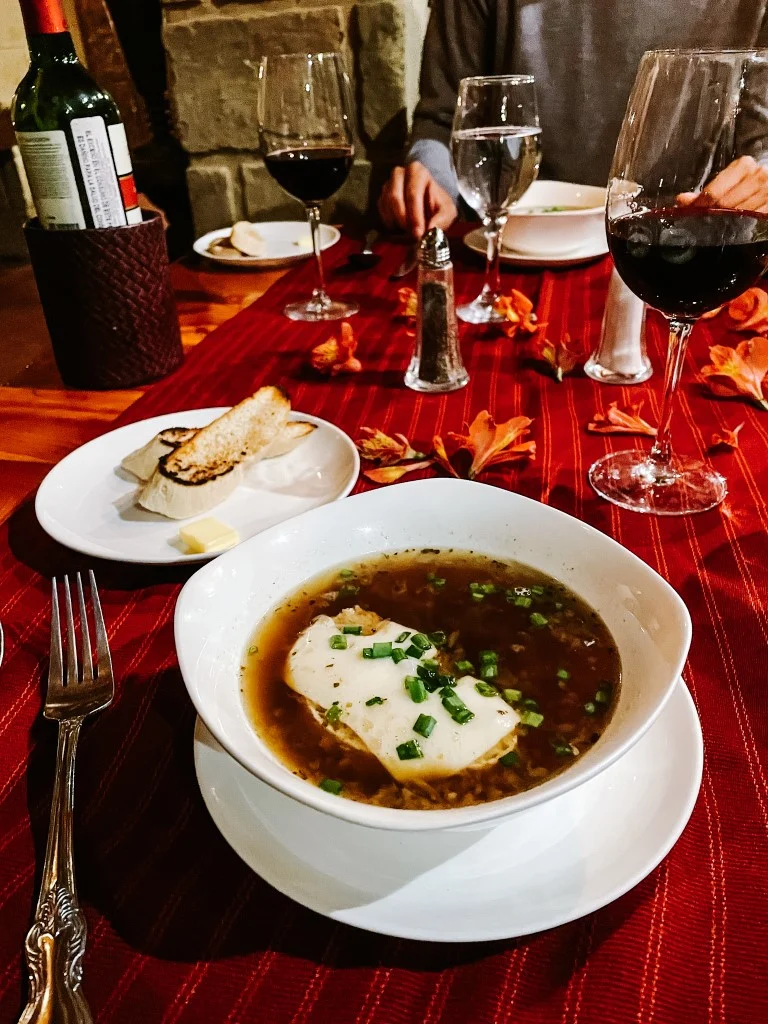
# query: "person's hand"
[[413, 201], [742, 185]]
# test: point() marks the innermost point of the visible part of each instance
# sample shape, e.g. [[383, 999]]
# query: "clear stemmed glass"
[[496, 152], [687, 228], [305, 126]]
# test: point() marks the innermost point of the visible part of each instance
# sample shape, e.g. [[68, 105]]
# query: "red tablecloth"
[[181, 930]]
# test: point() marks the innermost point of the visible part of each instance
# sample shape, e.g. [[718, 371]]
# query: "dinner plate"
[[287, 241], [540, 868], [87, 500], [591, 250]]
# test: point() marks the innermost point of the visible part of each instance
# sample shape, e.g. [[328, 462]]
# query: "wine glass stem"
[[313, 214], [492, 286], [661, 453]]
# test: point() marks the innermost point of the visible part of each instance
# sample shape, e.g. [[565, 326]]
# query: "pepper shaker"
[[620, 357], [436, 365]]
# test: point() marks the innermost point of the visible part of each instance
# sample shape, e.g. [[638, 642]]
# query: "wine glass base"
[[313, 311], [479, 312], [633, 481]]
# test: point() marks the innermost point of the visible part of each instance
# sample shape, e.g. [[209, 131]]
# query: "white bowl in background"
[[534, 229], [221, 605]]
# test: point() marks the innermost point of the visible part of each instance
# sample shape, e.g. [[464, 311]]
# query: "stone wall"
[[213, 96]]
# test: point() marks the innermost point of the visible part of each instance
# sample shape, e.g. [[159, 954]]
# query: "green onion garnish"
[[452, 703], [374, 700], [590, 707], [352, 630], [486, 690], [477, 597], [438, 638], [338, 642], [416, 689], [537, 619], [466, 667], [424, 725], [512, 696], [531, 704], [436, 581], [563, 673], [346, 573], [532, 718], [421, 641], [398, 655], [383, 649], [489, 671], [413, 652], [487, 588], [463, 716], [538, 591], [488, 657], [523, 602], [332, 786], [367, 652], [349, 590], [333, 714], [432, 663], [603, 695], [562, 749], [409, 751], [402, 637], [510, 760]]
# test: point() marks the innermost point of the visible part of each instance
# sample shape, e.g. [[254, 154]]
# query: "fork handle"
[[55, 943]]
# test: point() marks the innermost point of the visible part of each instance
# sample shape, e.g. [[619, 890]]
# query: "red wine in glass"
[[311, 175], [687, 260]]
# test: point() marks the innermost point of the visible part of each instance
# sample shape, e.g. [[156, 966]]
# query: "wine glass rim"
[[711, 51], [305, 55], [512, 79]]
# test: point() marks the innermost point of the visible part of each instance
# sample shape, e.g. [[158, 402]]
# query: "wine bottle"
[[69, 131]]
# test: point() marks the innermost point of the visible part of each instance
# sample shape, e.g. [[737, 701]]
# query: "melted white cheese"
[[325, 676]]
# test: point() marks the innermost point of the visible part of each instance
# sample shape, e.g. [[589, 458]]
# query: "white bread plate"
[[537, 227], [221, 605], [286, 242]]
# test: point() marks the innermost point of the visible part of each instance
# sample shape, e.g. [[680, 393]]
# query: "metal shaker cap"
[[434, 251]]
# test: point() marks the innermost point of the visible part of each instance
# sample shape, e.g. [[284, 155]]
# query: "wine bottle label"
[[124, 169], [51, 179], [97, 167]]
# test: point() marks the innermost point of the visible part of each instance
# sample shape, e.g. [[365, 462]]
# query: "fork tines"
[[89, 674]]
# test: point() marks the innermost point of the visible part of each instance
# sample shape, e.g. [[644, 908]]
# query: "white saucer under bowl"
[[87, 501], [286, 242], [592, 250], [543, 867]]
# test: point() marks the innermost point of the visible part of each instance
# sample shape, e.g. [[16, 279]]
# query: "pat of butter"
[[208, 535]]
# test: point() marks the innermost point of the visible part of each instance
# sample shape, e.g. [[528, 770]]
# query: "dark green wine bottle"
[[70, 134]]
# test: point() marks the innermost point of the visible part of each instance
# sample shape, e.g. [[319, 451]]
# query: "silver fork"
[[55, 943]]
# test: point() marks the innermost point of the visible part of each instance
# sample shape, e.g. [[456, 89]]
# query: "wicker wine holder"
[[107, 298]]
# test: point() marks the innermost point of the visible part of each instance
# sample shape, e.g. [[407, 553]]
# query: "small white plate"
[[87, 500], [475, 241], [287, 241], [543, 867]]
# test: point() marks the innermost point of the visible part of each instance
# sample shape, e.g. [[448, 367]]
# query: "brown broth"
[[574, 641]]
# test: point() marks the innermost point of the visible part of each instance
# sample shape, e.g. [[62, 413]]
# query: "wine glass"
[[496, 152], [686, 233], [305, 127]]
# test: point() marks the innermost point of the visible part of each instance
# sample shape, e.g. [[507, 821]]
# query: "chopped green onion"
[[477, 597], [383, 649], [426, 672], [489, 671], [421, 641], [446, 680], [532, 718], [463, 716], [331, 786], [352, 630], [367, 652], [537, 619], [402, 637], [590, 707], [413, 652], [398, 655], [523, 602], [488, 657], [374, 700], [486, 690], [487, 588], [465, 666], [453, 703], [563, 673], [416, 689], [338, 642], [512, 696], [333, 714], [562, 749], [436, 581], [603, 695], [531, 704], [475, 586], [346, 573], [409, 751], [510, 760], [538, 591], [438, 638], [447, 691], [424, 725], [349, 590], [431, 663]]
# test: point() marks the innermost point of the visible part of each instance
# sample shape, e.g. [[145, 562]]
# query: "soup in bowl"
[[433, 655], [555, 218]]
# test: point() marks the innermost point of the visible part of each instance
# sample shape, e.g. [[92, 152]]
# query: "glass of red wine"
[[687, 221], [305, 126]]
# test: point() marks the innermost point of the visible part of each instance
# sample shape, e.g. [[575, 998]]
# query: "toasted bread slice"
[[143, 462], [292, 434], [181, 501], [241, 433]]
